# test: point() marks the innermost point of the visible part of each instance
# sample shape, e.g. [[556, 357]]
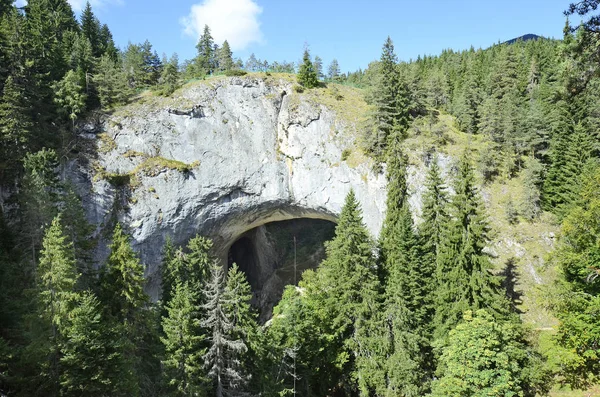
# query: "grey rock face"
[[261, 153]]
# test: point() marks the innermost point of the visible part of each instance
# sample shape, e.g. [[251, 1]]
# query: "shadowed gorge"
[[275, 254]]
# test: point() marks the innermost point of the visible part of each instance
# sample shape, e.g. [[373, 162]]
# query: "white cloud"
[[78, 5], [233, 20]]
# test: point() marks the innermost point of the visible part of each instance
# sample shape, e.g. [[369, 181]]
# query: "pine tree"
[[223, 356], [464, 278], [205, 60], [532, 180], [183, 343], [92, 362], [123, 296], [307, 75]]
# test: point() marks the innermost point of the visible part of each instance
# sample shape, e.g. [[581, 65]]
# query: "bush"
[[345, 154], [298, 89], [235, 72]]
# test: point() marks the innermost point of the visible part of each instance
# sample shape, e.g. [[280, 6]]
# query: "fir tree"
[[434, 212], [307, 75], [169, 78], [70, 95], [318, 66], [111, 83]]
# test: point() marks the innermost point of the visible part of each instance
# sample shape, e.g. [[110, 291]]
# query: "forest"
[[417, 312]]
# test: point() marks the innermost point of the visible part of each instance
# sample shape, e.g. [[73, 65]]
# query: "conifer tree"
[[225, 57], [15, 126], [333, 71], [408, 282], [169, 78], [391, 100], [464, 278], [307, 75], [222, 359], [57, 277], [90, 27], [318, 66], [344, 295], [92, 361], [205, 60], [111, 83], [70, 96], [434, 211], [183, 343]]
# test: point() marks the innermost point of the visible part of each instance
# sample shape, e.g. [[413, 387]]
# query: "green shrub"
[[345, 154], [235, 72]]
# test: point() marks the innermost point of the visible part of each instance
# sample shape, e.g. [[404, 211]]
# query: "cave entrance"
[[271, 259]]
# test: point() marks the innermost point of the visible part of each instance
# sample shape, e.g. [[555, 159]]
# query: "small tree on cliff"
[[307, 75]]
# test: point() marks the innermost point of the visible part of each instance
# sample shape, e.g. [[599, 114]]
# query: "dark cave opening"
[[276, 254]]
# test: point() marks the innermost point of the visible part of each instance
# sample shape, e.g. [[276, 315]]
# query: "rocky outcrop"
[[219, 159]]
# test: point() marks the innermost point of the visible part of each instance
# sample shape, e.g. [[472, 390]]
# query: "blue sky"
[[352, 31]]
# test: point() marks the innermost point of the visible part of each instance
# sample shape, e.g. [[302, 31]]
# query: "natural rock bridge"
[[221, 159]]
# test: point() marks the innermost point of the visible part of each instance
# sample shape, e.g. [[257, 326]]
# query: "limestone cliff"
[[223, 157]]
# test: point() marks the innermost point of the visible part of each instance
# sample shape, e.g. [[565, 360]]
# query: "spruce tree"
[[223, 358], [111, 83], [333, 71], [408, 282], [56, 298], [70, 96], [169, 78], [183, 344], [307, 75], [344, 296], [464, 277], [434, 211], [205, 60], [90, 27], [390, 98], [92, 361], [16, 127], [225, 57]]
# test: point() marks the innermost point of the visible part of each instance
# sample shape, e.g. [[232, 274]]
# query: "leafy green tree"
[[532, 182], [205, 60], [483, 358], [464, 278], [318, 66], [343, 295], [183, 343], [92, 362], [307, 74]]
